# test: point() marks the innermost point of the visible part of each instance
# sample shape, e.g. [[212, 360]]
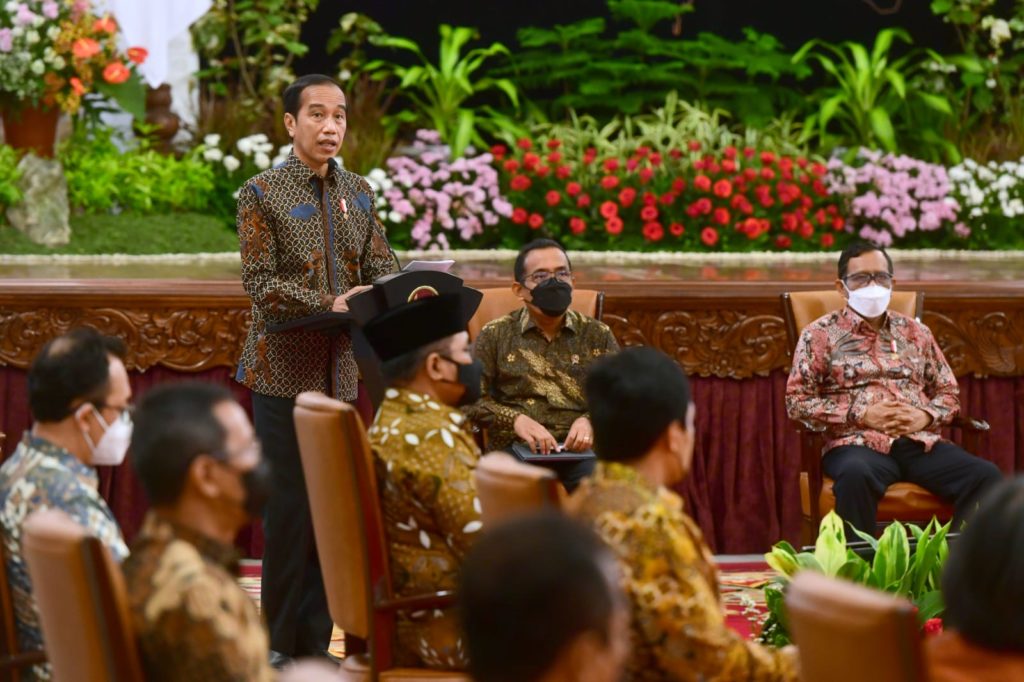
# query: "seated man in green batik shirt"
[[534, 362]]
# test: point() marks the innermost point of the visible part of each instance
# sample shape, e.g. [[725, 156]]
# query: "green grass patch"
[[132, 234]]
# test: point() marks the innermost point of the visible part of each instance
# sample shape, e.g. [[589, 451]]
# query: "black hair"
[[983, 581], [402, 369], [855, 249], [528, 588], [632, 398], [519, 269], [174, 424], [71, 370], [292, 96]]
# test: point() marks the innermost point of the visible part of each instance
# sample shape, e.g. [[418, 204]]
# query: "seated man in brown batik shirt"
[[535, 360]]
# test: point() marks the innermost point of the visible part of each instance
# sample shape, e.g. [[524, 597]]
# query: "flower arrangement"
[[439, 203], [679, 199], [234, 164], [893, 199], [54, 52], [992, 200]]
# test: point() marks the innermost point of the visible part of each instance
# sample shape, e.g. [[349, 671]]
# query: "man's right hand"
[[536, 436], [887, 416], [341, 302]]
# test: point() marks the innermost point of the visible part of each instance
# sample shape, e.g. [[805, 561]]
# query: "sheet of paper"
[[435, 265]]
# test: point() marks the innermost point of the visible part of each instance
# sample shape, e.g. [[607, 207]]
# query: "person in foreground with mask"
[[199, 462], [878, 382], [534, 362], [424, 463], [80, 400]]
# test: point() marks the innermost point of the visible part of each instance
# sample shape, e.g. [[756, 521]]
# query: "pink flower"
[[50, 9], [6, 40], [24, 16]]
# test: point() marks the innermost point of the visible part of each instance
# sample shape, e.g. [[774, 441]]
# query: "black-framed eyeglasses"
[[862, 279], [124, 413], [542, 276]]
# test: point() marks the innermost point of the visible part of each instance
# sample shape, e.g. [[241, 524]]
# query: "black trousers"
[[861, 476], [293, 597]]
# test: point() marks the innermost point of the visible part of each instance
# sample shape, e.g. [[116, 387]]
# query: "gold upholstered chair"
[[508, 488], [501, 301], [903, 501], [338, 465], [83, 606], [849, 633]]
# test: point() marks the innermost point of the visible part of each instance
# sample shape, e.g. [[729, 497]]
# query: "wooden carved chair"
[[501, 301], [508, 488], [83, 604], [338, 465], [903, 501]]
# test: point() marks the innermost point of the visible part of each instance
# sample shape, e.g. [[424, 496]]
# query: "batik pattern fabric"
[[191, 618], [41, 475], [678, 626], [424, 461], [524, 373], [842, 365], [304, 240]]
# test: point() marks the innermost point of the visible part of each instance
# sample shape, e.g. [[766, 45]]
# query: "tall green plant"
[[9, 176], [441, 92], [866, 101]]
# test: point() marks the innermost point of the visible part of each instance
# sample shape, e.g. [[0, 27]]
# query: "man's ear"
[[842, 289], [519, 290], [289, 124], [432, 365], [202, 476]]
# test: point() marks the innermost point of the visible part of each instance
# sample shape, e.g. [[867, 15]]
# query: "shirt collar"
[[857, 322], [161, 528], [571, 321], [627, 475], [64, 457], [293, 165]]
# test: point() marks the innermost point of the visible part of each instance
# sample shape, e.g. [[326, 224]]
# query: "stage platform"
[[720, 318]]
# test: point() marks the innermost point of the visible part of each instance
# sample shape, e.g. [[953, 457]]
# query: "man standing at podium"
[[309, 240]]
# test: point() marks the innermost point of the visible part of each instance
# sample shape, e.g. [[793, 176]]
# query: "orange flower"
[[137, 54], [116, 72], [76, 85], [105, 25], [85, 48]]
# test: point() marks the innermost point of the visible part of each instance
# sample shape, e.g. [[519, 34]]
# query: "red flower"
[[520, 183], [712, 166], [693, 146], [627, 196], [653, 232], [655, 159], [524, 143], [76, 85], [801, 161], [748, 152], [613, 225], [536, 220], [542, 171], [783, 241], [703, 205], [648, 213], [609, 209], [552, 197], [723, 188], [583, 200], [767, 158], [611, 165], [827, 240], [631, 164], [818, 169], [519, 216], [728, 166], [729, 152], [105, 25], [650, 198], [576, 225], [702, 182], [554, 144], [573, 188], [676, 229], [806, 230], [675, 154], [933, 626], [667, 198], [790, 222], [498, 151], [554, 157], [709, 236], [530, 160], [562, 172], [678, 185], [819, 188], [137, 55], [589, 155], [820, 216], [838, 223], [116, 72], [768, 173], [610, 181], [721, 216], [85, 48], [643, 151], [750, 174], [511, 165], [645, 175]]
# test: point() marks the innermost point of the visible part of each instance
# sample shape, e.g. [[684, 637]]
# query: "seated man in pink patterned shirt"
[[880, 385]]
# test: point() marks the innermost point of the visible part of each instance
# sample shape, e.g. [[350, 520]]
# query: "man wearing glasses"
[[535, 360], [880, 385]]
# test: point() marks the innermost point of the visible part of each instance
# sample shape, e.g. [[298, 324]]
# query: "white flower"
[[990, 83], [236, 193], [11, 7], [344, 75], [32, 37], [53, 32], [377, 176], [999, 33], [263, 147], [245, 145], [258, 138], [17, 31], [38, 68], [213, 154], [212, 140], [59, 63], [231, 163], [278, 160], [262, 161], [285, 150]]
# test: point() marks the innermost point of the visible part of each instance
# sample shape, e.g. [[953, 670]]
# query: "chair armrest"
[[804, 426], [418, 602], [970, 423], [22, 659]]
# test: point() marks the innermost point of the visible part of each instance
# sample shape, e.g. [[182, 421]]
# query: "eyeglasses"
[[861, 279], [542, 276], [123, 413]]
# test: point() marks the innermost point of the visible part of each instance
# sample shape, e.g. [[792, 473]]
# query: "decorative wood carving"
[[979, 342], [723, 343], [626, 333]]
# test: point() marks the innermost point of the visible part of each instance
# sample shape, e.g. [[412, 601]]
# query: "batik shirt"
[[192, 620], [305, 240], [40, 475], [678, 629], [425, 462], [524, 373], [842, 366]]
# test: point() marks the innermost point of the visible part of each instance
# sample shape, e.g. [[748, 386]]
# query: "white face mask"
[[870, 301], [113, 445]]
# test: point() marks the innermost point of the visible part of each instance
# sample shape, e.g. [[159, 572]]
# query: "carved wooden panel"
[[980, 342], [723, 343]]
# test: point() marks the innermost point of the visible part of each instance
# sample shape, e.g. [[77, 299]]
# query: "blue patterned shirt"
[[41, 475]]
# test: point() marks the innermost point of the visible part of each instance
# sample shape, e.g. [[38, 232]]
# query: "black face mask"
[[257, 483], [470, 378], [552, 296]]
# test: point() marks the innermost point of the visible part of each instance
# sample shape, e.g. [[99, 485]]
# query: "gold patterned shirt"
[[304, 241], [678, 629], [524, 373], [425, 462], [192, 619]]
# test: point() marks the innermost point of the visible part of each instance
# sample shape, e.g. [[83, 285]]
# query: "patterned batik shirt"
[[192, 620], [304, 241], [842, 366], [678, 628], [40, 475], [425, 462], [524, 373]]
